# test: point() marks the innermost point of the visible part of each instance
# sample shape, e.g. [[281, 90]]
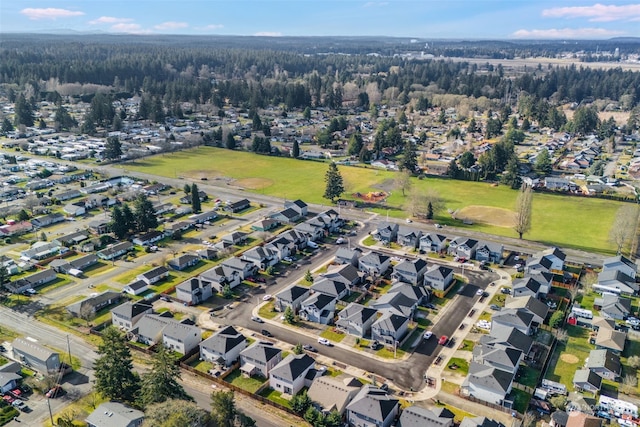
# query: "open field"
[[557, 219]]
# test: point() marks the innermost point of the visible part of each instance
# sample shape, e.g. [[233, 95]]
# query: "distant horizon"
[[422, 19]]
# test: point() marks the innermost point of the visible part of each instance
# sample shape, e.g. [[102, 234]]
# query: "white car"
[[479, 292], [312, 245], [428, 335], [324, 341], [408, 220], [340, 240], [267, 297]]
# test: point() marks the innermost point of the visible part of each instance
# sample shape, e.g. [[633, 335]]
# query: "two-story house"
[[259, 359], [126, 315], [356, 319], [410, 271], [194, 291], [223, 347], [290, 375], [372, 407]]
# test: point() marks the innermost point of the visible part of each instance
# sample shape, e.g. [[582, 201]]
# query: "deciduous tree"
[[624, 226], [175, 413], [223, 408], [522, 223]]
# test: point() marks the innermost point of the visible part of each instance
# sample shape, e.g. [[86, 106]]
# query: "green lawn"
[[331, 335], [267, 311], [467, 345], [521, 400], [275, 396], [251, 384], [387, 352], [556, 219], [459, 414], [577, 345], [202, 365], [528, 376]]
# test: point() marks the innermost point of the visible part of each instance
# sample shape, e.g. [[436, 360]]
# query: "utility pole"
[[50, 413], [69, 350]]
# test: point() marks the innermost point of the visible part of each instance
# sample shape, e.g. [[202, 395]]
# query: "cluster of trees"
[[194, 192], [301, 403], [158, 391], [141, 218]]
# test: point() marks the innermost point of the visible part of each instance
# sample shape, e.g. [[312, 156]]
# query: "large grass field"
[[576, 222]]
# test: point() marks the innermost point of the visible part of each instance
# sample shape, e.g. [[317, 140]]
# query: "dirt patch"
[[371, 197], [569, 358], [487, 215], [199, 174], [253, 183]]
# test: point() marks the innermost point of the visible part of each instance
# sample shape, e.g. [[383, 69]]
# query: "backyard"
[[251, 384], [569, 356]]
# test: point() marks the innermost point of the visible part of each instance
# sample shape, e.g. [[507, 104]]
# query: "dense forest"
[[255, 72]]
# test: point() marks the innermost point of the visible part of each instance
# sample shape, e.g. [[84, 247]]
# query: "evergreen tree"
[[334, 184], [128, 217], [89, 124], [113, 148], [118, 225], [145, 215], [525, 124], [161, 383], [23, 112], [355, 144], [409, 159], [114, 375], [187, 189], [543, 165], [6, 125], [510, 175], [473, 126], [295, 152], [467, 160], [300, 402], [231, 141], [195, 199], [429, 210], [223, 408], [63, 119], [453, 171], [306, 114]]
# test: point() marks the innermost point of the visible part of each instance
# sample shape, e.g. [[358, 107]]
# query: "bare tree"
[[588, 280], [528, 419], [30, 203], [437, 202], [629, 383], [402, 181], [87, 313], [624, 226], [562, 335], [634, 362], [573, 291], [417, 203], [523, 211]]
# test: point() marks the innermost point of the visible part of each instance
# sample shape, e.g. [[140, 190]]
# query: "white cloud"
[[214, 27], [268, 34], [375, 4], [596, 13], [566, 33], [49, 13], [124, 27], [110, 20], [171, 25]]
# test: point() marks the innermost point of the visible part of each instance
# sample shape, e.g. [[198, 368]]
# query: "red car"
[[54, 392], [443, 340]]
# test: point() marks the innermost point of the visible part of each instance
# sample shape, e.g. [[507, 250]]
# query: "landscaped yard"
[[333, 335], [267, 310], [528, 376], [275, 396], [556, 219], [521, 400], [569, 356], [458, 365], [251, 384], [202, 365], [388, 353]]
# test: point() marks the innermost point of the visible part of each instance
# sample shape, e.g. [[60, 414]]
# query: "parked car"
[[472, 312], [54, 392], [479, 292], [2, 349], [428, 335], [495, 307], [324, 341], [310, 348], [312, 244], [267, 297], [443, 340], [340, 240], [505, 291], [266, 333], [257, 319], [375, 345], [431, 306]]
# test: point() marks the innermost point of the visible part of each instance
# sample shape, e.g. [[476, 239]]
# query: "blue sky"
[[470, 19]]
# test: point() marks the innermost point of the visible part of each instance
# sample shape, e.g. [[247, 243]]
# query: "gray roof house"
[[36, 356], [115, 414], [386, 232], [408, 236], [333, 288], [529, 304], [291, 297], [506, 358], [518, 318], [489, 251], [262, 256], [154, 275], [372, 406], [114, 251], [389, 328], [587, 380], [345, 255], [194, 291], [184, 261], [620, 263], [613, 306], [177, 336], [463, 247], [615, 281], [487, 383], [356, 319], [544, 279], [410, 271], [397, 303], [604, 363], [94, 303], [136, 287], [290, 375], [438, 277], [432, 242], [416, 416], [223, 347], [34, 281], [259, 358], [527, 286], [374, 263], [480, 422], [318, 308], [333, 393], [41, 250], [148, 238], [504, 337], [346, 273], [126, 316]]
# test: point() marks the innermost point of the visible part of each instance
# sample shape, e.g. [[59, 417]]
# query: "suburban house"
[[544, 279], [194, 291], [410, 271], [487, 383], [41, 250], [438, 277], [148, 238], [372, 406], [297, 205], [238, 206], [221, 277], [266, 224], [489, 251], [551, 259], [282, 247], [331, 287], [397, 303], [611, 340], [463, 247], [36, 356], [235, 238], [622, 264], [203, 217], [587, 380], [356, 319], [243, 268], [416, 416], [286, 216], [318, 308], [32, 281], [176, 336], [418, 293], [298, 239], [72, 239], [9, 376], [612, 306], [480, 422], [389, 328], [261, 256], [346, 273], [514, 317], [47, 220], [186, 200], [94, 303], [374, 263], [504, 358], [115, 251], [387, 232], [184, 261], [223, 347], [615, 281], [505, 337], [126, 316], [15, 228], [312, 230], [290, 375], [604, 363], [408, 236], [291, 297], [530, 305], [346, 255], [333, 393], [115, 414], [432, 242], [527, 286], [75, 209], [136, 287], [154, 275], [259, 359]]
